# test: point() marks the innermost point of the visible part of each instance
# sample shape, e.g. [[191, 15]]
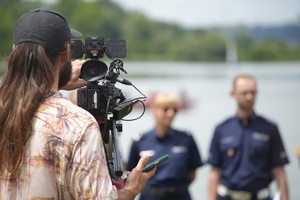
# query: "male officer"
[[174, 175], [246, 151]]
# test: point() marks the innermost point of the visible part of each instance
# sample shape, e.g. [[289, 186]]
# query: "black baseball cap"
[[45, 27]]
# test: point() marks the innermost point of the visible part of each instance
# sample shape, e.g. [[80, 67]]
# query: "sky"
[[203, 13], [208, 13]]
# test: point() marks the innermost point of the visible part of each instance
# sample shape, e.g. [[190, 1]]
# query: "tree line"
[[146, 39]]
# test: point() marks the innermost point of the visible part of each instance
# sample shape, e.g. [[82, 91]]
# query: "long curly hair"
[[29, 77]]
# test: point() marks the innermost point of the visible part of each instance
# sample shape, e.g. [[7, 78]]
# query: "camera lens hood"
[[93, 70]]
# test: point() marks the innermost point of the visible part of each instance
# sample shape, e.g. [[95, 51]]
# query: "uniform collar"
[[169, 133], [247, 121]]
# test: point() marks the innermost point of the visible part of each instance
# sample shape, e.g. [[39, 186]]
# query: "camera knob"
[[119, 127]]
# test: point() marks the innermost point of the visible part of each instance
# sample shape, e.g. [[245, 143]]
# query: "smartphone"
[[155, 162]]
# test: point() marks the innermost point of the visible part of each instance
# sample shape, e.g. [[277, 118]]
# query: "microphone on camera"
[[124, 81]]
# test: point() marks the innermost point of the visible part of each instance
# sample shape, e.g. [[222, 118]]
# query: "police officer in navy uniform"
[[246, 151], [173, 176]]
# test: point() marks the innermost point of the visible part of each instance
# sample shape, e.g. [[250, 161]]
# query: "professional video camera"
[[100, 97]]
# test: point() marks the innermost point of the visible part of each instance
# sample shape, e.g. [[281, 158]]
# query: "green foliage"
[[145, 39], [93, 18], [269, 51], [199, 45], [10, 11]]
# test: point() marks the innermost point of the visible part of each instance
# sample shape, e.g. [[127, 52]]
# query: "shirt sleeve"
[[196, 160], [214, 157], [134, 156], [88, 173], [278, 153]]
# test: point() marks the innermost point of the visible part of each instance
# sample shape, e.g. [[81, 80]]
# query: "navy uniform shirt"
[[183, 152], [247, 151]]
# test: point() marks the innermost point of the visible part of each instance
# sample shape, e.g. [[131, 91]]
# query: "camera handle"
[[111, 145], [116, 154]]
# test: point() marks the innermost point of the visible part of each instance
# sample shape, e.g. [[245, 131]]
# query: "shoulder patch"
[[136, 137], [188, 133]]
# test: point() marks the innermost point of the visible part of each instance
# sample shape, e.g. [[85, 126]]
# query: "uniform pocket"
[[229, 147], [260, 145]]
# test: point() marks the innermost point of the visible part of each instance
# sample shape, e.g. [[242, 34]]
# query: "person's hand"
[[136, 180], [74, 82]]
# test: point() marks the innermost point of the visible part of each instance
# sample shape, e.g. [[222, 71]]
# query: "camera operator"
[[51, 148]]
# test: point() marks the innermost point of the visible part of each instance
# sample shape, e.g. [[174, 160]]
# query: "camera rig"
[[101, 97]]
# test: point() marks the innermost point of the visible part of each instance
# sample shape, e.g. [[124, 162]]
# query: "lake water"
[[207, 87]]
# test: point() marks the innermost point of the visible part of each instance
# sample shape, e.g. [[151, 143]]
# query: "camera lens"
[[93, 70]]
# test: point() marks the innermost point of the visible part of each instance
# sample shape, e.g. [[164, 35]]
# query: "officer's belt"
[[223, 191], [163, 192]]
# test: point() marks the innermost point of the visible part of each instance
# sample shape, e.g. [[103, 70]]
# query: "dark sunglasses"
[[166, 109]]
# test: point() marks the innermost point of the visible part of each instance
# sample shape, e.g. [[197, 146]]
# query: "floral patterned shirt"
[[64, 157]]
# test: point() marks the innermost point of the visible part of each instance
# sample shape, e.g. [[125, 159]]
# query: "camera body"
[[100, 99]]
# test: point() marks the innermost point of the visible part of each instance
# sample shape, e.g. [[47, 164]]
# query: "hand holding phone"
[[149, 166]]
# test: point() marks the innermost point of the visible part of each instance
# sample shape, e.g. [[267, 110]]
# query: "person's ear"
[[232, 94], [152, 109], [65, 56]]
